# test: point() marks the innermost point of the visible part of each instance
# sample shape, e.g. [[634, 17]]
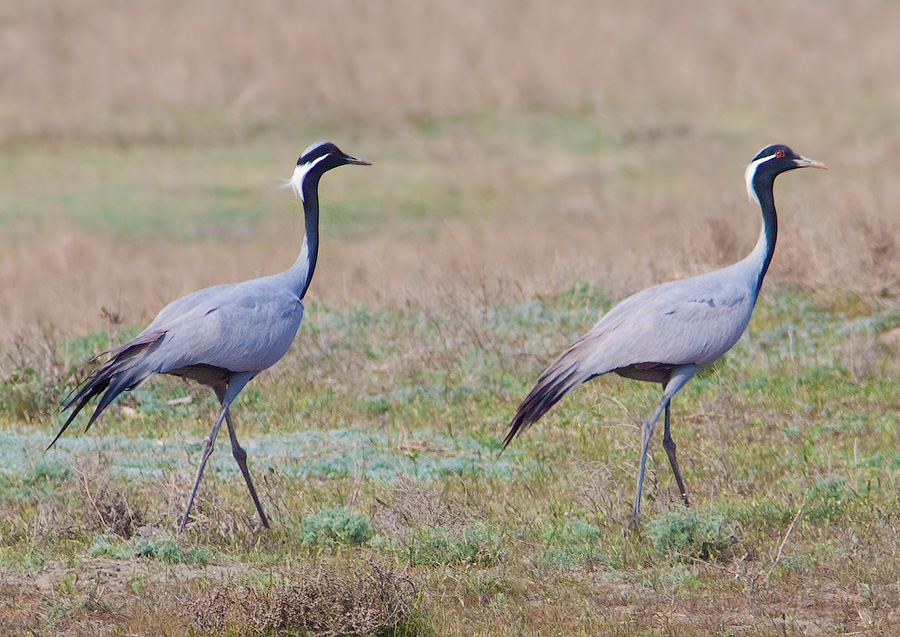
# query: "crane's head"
[[316, 161], [771, 162]]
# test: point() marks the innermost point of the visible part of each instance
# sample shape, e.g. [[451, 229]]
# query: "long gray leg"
[[208, 445], [677, 380], [226, 393], [669, 446], [634, 520], [241, 456]]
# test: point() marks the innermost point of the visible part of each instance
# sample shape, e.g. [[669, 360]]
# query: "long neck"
[[302, 271], [765, 247]]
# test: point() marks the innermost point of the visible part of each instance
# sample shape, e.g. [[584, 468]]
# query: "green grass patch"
[[573, 545], [475, 544], [163, 548]]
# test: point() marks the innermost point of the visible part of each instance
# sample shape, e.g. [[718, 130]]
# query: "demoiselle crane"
[[668, 332], [224, 335]]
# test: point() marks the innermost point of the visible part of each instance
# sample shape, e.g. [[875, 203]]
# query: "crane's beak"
[[353, 160], [806, 162]]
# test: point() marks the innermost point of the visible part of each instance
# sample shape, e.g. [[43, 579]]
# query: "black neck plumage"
[[763, 186]]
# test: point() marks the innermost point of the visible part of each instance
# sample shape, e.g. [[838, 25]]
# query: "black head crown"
[[778, 158], [770, 162], [313, 163], [325, 156]]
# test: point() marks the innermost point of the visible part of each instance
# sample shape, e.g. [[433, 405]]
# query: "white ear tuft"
[[300, 171], [750, 173]]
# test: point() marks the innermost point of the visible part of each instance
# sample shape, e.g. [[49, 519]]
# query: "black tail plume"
[[562, 375], [118, 374]]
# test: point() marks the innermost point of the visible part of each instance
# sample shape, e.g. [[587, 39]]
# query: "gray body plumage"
[[668, 332], [224, 335], [258, 319], [647, 335]]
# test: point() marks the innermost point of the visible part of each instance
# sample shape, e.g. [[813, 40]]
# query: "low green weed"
[[163, 548]]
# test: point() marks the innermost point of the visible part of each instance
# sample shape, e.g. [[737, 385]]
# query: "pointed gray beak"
[[806, 162], [354, 160]]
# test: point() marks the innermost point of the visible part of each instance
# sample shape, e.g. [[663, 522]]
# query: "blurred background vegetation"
[[515, 143]]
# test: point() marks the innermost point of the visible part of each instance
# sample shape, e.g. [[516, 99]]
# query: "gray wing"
[[693, 321], [689, 322], [241, 327]]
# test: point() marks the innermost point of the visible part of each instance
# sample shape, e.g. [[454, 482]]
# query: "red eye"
[[779, 153]]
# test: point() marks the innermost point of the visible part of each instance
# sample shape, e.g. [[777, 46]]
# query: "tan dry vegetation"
[[71, 280], [139, 598], [686, 95], [100, 64]]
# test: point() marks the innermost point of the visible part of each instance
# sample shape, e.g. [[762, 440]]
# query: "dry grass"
[[71, 281], [104, 68], [330, 598], [334, 600]]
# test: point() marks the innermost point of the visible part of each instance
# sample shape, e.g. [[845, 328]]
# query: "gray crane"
[[667, 333], [224, 335]]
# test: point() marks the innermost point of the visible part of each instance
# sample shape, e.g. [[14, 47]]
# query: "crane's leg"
[[634, 520], [208, 445], [677, 380], [226, 393], [241, 456], [669, 446]]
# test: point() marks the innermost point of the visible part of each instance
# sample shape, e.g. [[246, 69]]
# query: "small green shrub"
[[165, 549], [688, 534], [828, 499], [110, 545], [25, 395], [374, 404], [46, 470], [335, 526]]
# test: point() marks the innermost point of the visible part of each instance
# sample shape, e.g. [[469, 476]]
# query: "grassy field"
[[532, 164]]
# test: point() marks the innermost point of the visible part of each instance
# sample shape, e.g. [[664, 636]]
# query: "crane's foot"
[[241, 456], [184, 521], [206, 452], [633, 521]]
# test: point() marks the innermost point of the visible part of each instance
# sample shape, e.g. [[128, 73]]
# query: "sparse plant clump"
[[45, 470], [572, 545], [429, 528], [111, 509], [829, 498], [23, 394], [166, 550]]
